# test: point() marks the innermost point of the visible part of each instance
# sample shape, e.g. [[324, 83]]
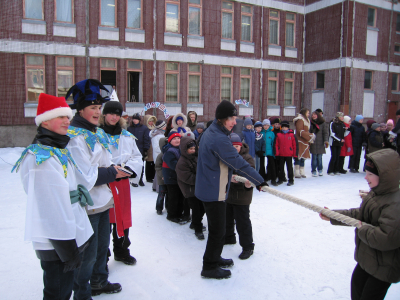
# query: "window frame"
[[232, 11], [131, 69], [67, 69], [396, 44], [240, 84], [165, 80], [141, 16], [292, 81], [276, 79], [372, 80], [269, 26], [72, 13], [24, 16], [199, 6], [251, 22], [397, 82], [375, 11], [316, 80], [294, 29], [115, 15], [27, 67], [192, 73], [174, 2], [397, 21], [226, 76]]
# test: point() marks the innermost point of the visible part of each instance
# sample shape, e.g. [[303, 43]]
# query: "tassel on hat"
[[50, 107], [86, 93]]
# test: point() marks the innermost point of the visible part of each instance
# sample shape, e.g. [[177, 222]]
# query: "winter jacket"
[[285, 144], [260, 144], [250, 139], [238, 128], [321, 136], [196, 134], [141, 132], [238, 193], [269, 138], [216, 162], [347, 148], [190, 124], [336, 132], [186, 169], [170, 159], [156, 135], [358, 134], [396, 130], [303, 135], [159, 161], [378, 248], [181, 129], [375, 140], [146, 119]]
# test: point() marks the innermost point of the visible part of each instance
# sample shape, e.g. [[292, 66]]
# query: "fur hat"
[[347, 119], [370, 166], [274, 120], [235, 139], [225, 110], [247, 121], [358, 118], [136, 117], [160, 124], [50, 107], [113, 107], [339, 114], [86, 93], [285, 124], [172, 135], [258, 124], [375, 126], [266, 122]]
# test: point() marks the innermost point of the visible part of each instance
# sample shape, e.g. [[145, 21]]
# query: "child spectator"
[[375, 138], [238, 205], [276, 128], [150, 121], [249, 136], [179, 122], [156, 134], [269, 139], [347, 147], [358, 139], [377, 242], [285, 149], [192, 120], [199, 130], [336, 139], [162, 187], [317, 149], [186, 173], [259, 148]]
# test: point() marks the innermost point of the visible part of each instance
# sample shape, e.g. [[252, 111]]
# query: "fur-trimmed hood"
[[305, 120], [148, 118], [183, 147], [122, 122], [190, 124], [175, 126]]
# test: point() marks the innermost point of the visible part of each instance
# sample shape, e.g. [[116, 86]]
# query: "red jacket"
[[285, 144], [348, 144]]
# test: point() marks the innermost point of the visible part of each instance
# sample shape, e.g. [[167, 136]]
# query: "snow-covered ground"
[[297, 255]]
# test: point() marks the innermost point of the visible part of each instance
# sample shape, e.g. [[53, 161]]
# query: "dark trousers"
[[216, 218], [262, 167], [354, 162], [141, 175], [240, 214], [94, 258], [271, 169], [366, 287], [57, 284], [120, 244], [186, 207], [334, 162], [197, 213], [175, 201], [150, 170], [341, 163], [278, 167], [162, 193], [289, 168]]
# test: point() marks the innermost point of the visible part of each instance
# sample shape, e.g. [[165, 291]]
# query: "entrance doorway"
[[392, 108], [109, 80], [135, 87]]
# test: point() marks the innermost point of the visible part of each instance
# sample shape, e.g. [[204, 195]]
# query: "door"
[[134, 87]]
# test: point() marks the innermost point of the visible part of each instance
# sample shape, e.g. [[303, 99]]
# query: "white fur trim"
[[54, 113]]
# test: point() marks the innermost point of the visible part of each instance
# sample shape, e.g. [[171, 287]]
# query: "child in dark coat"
[[162, 187], [186, 173], [259, 149], [285, 149], [249, 136], [358, 139], [375, 138], [238, 206]]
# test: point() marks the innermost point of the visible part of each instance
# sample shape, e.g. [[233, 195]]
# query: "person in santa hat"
[[56, 219], [89, 146]]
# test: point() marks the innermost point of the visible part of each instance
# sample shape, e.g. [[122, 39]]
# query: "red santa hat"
[[51, 107]]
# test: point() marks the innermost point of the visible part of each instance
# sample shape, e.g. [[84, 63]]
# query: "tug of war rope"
[[327, 212]]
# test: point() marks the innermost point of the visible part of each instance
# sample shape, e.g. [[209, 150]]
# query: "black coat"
[[141, 132], [186, 169], [337, 130], [375, 141], [358, 134]]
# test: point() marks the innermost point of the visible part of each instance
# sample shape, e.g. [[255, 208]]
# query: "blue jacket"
[[170, 159], [260, 143], [196, 134], [216, 162], [141, 132], [358, 134], [269, 138], [250, 139]]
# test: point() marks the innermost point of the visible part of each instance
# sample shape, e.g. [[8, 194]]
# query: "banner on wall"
[[158, 105], [242, 102]]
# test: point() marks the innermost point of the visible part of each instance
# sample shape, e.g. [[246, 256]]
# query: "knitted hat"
[[398, 112], [347, 119], [375, 126], [358, 118], [172, 135], [200, 125], [274, 120], [179, 118], [258, 124], [225, 110], [285, 124], [136, 117], [318, 110], [191, 144], [189, 134], [160, 124], [390, 121], [266, 122], [370, 166], [113, 107], [247, 121], [339, 114], [86, 93], [235, 139], [50, 107], [370, 122]]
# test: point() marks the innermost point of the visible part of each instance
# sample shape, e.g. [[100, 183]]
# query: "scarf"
[[50, 138], [80, 122], [112, 130]]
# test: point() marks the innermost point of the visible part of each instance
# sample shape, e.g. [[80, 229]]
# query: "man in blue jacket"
[[216, 161]]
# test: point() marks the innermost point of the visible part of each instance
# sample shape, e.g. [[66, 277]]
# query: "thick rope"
[[327, 212]]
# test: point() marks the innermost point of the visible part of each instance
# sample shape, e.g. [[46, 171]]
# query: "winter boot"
[[246, 254], [290, 183], [159, 212], [141, 182], [273, 183], [225, 263], [199, 235], [297, 171], [128, 260], [320, 173], [109, 288], [314, 174], [302, 173], [134, 184], [216, 273]]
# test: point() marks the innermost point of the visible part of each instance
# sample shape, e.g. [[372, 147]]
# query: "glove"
[[348, 149], [312, 140], [326, 144], [72, 264], [133, 173], [259, 187], [260, 153]]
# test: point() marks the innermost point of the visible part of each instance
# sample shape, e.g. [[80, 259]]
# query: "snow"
[[297, 255]]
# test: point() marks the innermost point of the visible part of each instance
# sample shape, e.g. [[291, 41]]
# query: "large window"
[[290, 29], [134, 14], [171, 82], [272, 87], [395, 82], [34, 76], [368, 80], [274, 27], [64, 9], [108, 13], [33, 9], [227, 20], [172, 16], [398, 23], [226, 83], [195, 17], [371, 17], [247, 16], [134, 71], [320, 80], [245, 84], [65, 75], [289, 82], [194, 83], [108, 75]]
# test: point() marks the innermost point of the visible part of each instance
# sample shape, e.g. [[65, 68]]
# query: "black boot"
[[141, 182], [109, 288], [246, 254], [134, 184], [216, 273], [199, 235], [225, 263], [128, 260]]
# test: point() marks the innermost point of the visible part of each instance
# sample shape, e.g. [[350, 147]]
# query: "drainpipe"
[[388, 64], [304, 58], [340, 57], [154, 56], [261, 66], [87, 41], [352, 54]]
